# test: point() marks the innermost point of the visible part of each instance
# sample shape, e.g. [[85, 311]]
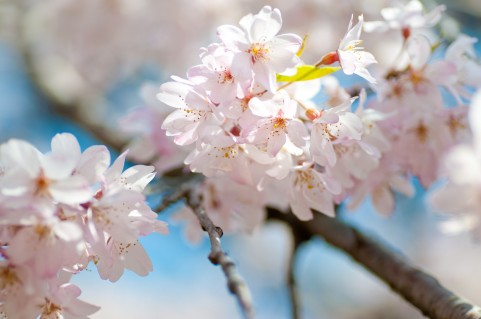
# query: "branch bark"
[[415, 286], [217, 256]]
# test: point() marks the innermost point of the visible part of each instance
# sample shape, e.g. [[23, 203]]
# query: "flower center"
[[225, 77], [50, 309], [421, 132], [42, 184], [280, 123], [258, 52]]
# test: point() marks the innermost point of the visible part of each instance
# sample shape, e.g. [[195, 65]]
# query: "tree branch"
[[217, 256], [415, 286]]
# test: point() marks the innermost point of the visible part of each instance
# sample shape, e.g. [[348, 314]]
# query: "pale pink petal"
[[18, 153], [137, 260], [233, 37], [74, 190], [116, 169], [475, 119], [68, 231], [275, 143], [419, 51], [173, 94], [300, 208], [297, 133], [383, 200], [265, 25], [93, 163]]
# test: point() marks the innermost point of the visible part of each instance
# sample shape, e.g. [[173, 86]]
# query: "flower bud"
[[312, 114], [329, 58]]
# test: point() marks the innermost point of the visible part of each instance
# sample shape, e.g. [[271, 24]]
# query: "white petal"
[[18, 153], [419, 50], [275, 143], [74, 190], [68, 231], [93, 163], [475, 119], [300, 208]]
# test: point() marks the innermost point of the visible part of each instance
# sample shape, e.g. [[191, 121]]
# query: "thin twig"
[[217, 256], [414, 285]]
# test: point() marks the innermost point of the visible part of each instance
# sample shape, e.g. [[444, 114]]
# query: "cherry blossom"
[[258, 48], [59, 211], [150, 143], [406, 18], [462, 168], [194, 111], [278, 123], [43, 179], [312, 189], [333, 126], [352, 58], [462, 54]]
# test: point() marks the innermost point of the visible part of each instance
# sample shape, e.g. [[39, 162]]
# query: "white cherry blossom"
[[352, 57], [460, 196], [311, 189], [333, 126], [194, 111], [278, 123], [406, 18], [259, 48]]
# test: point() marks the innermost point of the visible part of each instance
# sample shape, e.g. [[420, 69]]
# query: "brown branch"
[[415, 286], [217, 256]]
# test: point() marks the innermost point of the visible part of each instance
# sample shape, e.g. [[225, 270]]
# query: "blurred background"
[[90, 57]]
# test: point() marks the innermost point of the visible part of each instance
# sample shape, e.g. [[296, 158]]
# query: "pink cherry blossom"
[[278, 123], [462, 168], [311, 189], [218, 76], [333, 126], [61, 209], [150, 142], [39, 179], [406, 18], [461, 53], [194, 111], [258, 48]]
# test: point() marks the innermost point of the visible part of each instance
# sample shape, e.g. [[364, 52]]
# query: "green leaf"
[[306, 73], [303, 45]]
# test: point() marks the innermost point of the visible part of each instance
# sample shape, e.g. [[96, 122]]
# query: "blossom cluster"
[[250, 119], [60, 211], [247, 128], [461, 195]]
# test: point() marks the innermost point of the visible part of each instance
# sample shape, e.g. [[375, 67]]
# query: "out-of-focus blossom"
[[406, 18], [461, 53], [460, 196], [150, 143], [59, 211]]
